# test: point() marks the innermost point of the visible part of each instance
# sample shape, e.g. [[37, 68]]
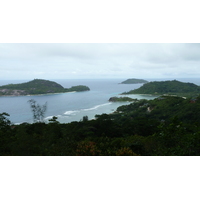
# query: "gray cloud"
[[96, 60]]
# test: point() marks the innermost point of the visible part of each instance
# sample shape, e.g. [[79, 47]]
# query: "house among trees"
[[193, 100]]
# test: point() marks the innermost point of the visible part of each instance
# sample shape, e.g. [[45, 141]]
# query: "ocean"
[[68, 107]]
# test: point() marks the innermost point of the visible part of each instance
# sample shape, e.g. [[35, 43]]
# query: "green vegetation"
[[167, 87], [165, 126], [134, 81], [163, 108], [121, 99], [37, 110], [38, 86], [79, 88]]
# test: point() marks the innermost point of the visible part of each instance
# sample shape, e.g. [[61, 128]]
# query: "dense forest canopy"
[[121, 99], [38, 86], [168, 125], [164, 126], [167, 87]]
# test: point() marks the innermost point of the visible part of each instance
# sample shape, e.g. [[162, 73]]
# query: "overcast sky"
[[98, 60], [115, 22]]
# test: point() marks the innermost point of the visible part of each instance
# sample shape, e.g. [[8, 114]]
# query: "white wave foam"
[[74, 112], [17, 123], [71, 112], [96, 107], [49, 117], [72, 92]]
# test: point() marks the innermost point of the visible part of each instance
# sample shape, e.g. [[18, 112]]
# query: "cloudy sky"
[[98, 60]]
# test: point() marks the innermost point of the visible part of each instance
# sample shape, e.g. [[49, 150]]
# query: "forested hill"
[[167, 87], [165, 126], [134, 81], [37, 86]]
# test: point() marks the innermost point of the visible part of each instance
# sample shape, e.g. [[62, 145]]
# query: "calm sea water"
[[70, 107]]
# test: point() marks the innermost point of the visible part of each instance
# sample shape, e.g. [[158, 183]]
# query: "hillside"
[[167, 87], [166, 126], [121, 99], [37, 86], [134, 81], [164, 108]]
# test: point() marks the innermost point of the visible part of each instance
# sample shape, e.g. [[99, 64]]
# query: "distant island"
[[134, 81], [167, 87], [38, 86], [121, 99]]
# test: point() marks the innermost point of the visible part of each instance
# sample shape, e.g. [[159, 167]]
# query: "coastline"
[[84, 103], [37, 94]]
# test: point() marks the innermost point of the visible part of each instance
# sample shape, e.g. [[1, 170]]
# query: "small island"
[[134, 81], [36, 87], [167, 88], [121, 99]]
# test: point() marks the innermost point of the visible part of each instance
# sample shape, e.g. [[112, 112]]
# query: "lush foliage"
[[164, 126], [37, 110], [121, 99], [38, 86], [79, 88], [134, 81], [167, 87]]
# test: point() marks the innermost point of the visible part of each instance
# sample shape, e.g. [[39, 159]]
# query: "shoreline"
[[37, 94], [69, 115]]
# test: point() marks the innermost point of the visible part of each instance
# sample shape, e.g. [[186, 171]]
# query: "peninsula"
[[38, 86], [122, 99], [134, 81], [167, 87]]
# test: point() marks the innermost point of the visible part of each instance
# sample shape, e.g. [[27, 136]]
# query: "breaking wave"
[[50, 117], [74, 112], [96, 107], [71, 112]]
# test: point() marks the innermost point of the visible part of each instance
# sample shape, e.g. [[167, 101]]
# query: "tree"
[[85, 118], [53, 120], [4, 121], [5, 134], [38, 111]]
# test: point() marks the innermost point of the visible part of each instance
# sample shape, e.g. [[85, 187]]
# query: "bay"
[[72, 106]]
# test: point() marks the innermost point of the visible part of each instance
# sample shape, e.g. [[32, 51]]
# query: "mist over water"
[[73, 106]]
